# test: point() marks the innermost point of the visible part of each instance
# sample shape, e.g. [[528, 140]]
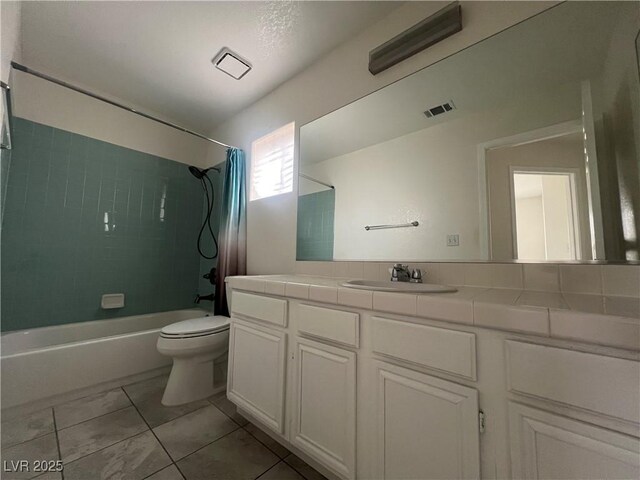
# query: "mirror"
[[525, 146], [5, 128]]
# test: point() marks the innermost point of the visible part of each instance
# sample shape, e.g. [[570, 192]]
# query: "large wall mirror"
[[524, 146]]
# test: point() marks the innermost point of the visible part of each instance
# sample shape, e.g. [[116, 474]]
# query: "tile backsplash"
[[615, 280], [83, 218]]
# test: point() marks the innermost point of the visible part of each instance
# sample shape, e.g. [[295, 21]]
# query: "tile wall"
[[83, 218], [315, 225]]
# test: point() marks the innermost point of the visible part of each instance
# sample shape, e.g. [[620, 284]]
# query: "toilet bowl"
[[194, 345]]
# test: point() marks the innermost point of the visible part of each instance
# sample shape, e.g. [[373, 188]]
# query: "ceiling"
[[157, 55], [551, 52]]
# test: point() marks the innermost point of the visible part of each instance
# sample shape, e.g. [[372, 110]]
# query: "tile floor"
[[126, 433]]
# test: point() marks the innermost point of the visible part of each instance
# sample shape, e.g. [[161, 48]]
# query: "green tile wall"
[[315, 226], [84, 217]]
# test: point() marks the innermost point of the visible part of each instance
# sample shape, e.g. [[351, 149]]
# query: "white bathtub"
[[51, 361]]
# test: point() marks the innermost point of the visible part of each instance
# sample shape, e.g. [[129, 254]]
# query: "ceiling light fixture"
[[428, 32], [231, 63]]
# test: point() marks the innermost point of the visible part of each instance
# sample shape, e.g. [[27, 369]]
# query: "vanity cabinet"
[[256, 372], [324, 405], [427, 427], [363, 394], [549, 446]]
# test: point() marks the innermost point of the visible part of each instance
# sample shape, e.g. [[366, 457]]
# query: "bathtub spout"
[[209, 297]]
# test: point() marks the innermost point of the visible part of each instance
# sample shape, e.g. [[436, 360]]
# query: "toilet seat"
[[196, 327]]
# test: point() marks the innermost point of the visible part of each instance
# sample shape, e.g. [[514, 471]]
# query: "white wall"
[[333, 81], [50, 104], [431, 176], [10, 46]]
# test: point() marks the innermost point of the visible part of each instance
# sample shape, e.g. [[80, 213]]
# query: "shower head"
[[199, 172], [196, 172]]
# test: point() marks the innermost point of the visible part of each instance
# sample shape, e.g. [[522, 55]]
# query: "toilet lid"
[[196, 326]]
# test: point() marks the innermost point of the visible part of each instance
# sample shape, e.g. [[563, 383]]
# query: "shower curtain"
[[232, 256]]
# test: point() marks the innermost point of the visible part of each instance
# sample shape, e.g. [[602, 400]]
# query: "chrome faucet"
[[416, 276], [401, 273]]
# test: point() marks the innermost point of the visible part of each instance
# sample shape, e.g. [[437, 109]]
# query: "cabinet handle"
[[481, 421]]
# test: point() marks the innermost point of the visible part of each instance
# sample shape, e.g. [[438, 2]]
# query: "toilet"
[[194, 345]]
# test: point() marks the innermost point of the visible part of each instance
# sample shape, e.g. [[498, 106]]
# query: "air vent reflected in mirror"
[[440, 109]]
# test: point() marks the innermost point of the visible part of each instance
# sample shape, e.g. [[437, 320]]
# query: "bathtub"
[[46, 362]]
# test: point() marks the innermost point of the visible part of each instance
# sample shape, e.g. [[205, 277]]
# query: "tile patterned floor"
[[126, 433]]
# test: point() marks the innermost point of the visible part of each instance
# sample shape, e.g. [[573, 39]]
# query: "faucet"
[[209, 297], [401, 273]]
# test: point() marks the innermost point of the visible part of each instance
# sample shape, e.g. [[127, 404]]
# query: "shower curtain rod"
[[316, 181], [62, 83]]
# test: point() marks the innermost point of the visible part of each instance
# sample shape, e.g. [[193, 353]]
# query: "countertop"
[[600, 319]]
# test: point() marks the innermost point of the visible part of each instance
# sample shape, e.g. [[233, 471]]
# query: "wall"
[[50, 104], [333, 81], [84, 218], [10, 46], [431, 176]]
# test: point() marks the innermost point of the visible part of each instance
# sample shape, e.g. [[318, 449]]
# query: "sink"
[[405, 287]]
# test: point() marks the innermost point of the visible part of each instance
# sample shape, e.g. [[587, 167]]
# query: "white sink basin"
[[405, 287]]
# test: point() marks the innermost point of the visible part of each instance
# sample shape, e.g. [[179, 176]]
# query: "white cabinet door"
[[544, 445], [256, 376], [324, 413], [427, 427]]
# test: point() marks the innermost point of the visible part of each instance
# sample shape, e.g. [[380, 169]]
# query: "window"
[[272, 163]]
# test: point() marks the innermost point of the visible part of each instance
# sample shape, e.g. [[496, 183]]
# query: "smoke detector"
[[439, 109], [231, 63]]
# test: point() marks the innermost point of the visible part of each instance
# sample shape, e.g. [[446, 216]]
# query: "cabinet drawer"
[[336, 325], [267, 309], [447, 350], [606, 385]]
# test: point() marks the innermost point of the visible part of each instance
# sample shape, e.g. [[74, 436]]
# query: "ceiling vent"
[[440, 109], [231, 63]]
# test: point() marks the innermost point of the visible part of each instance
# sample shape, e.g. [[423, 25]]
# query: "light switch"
[[453, 240]]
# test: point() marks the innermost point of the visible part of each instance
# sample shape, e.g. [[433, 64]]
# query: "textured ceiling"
[[157, 55]]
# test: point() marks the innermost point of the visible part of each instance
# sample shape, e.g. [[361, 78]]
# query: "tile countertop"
[[599, 319]]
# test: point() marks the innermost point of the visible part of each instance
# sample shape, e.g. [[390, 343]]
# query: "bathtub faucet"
[[209, 297]]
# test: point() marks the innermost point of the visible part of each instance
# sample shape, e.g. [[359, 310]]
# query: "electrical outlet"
[[453, 240]]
